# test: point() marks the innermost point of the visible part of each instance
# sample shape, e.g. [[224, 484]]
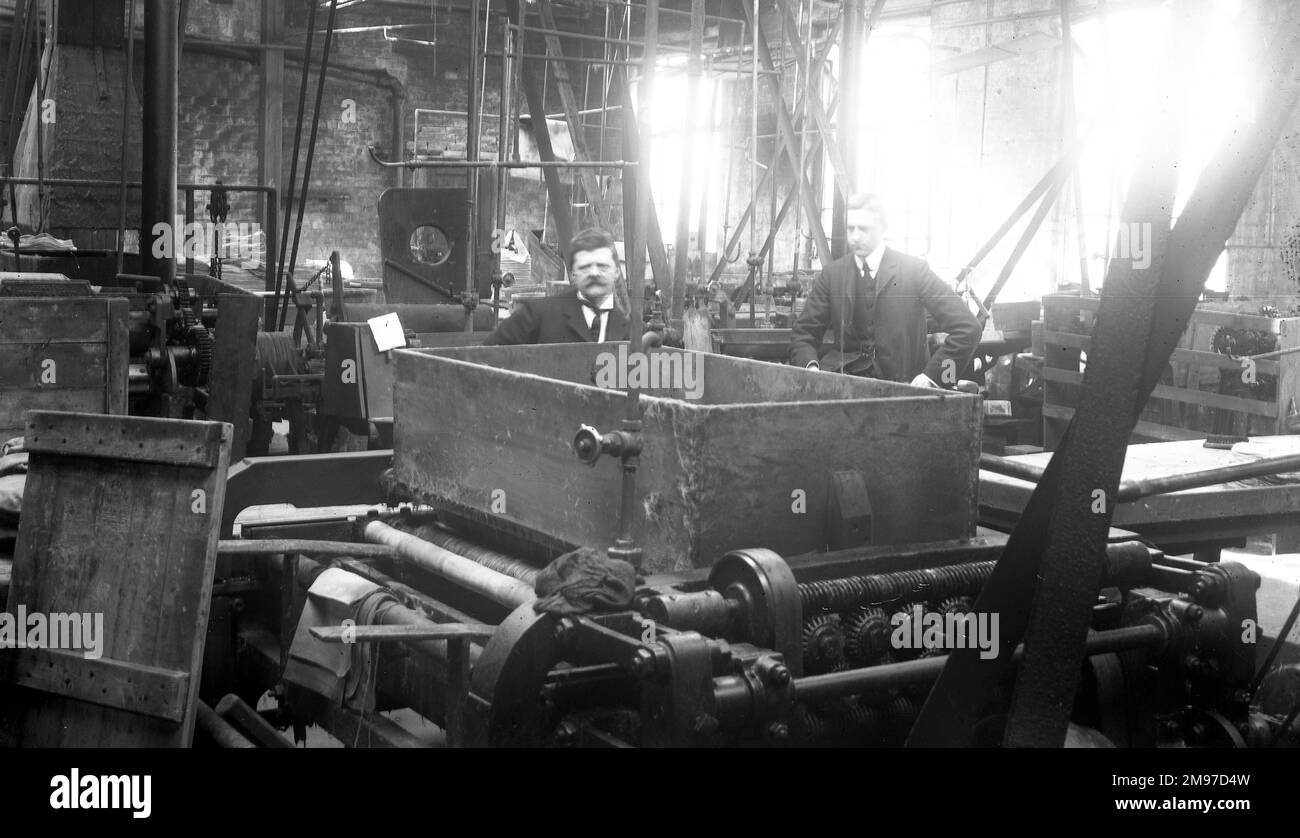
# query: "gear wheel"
[[912, 613], [956, 605], [198, 339], [823, 643], [866, 636]]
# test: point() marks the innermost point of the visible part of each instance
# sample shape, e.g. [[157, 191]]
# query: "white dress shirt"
[[605, 308], [873, 260]]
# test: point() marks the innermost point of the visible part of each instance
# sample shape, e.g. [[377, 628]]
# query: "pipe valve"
[[589, 444]]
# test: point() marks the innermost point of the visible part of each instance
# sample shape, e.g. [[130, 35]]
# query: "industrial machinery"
[[742, 628], [758, 649]]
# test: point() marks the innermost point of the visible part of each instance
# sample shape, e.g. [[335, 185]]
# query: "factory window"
[[429, 245]]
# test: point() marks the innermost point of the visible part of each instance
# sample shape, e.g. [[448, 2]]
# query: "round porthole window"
[[429, 245]]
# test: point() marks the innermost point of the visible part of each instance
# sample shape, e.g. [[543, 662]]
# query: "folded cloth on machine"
[[584, 580], [44, 243], [341, 672]]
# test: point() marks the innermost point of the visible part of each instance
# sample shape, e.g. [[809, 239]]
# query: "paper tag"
[[388, 332]]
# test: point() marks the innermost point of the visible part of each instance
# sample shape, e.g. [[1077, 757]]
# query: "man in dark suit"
[[584, 314], [875, 299]]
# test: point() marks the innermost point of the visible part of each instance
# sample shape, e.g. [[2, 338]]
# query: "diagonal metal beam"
[[589, 178], [813, 102], [818, 63], [1057, 524], [785, 128]]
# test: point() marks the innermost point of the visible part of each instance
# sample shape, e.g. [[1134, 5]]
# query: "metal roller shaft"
[[474, 577], [490, 559]]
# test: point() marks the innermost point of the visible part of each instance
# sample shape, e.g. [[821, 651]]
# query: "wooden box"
[[750, 463], [1203, 392], [61, 353]]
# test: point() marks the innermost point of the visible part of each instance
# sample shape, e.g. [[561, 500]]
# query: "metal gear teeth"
[[866, 636], [823, 643], [956, 605]]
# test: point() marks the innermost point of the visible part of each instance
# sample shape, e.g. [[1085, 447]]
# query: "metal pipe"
[[568, 59], [232, 707], [509, 164], [221, 731], [498, 587], [540, 30], [681, 260], [311, 147], [126, 110], [925, 671], [491, 559], [471, 155], [1131, 490], [293, 165], [280, 546], [160, 106]]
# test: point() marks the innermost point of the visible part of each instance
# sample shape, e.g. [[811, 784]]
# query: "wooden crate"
[[751, 463], [61, 353], [120, 520], [1202, 392]]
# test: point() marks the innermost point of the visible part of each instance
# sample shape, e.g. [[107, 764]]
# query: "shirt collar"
[[607, 305], [873, 259]]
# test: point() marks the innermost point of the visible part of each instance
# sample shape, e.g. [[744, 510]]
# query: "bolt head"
[[778, 730], [779, 675]]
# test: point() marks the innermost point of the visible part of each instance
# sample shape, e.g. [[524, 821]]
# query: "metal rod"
[[221, 731], [681, 259], [501, 589], [130, 184], [568, 59], [1131, 490], [539, 30], [283, 249], [508, 164], [311, 147], [925, 671], [158, 204], [126, 110], [473, 108]]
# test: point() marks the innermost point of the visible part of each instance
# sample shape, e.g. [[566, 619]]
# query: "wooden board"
[[1198, 397], [120, 518], [61, 353], [750, 463]]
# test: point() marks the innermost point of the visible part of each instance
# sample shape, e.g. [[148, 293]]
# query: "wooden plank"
[[1201, 316], [389, 634], [136, 688], [134, 438], [1146, 429], [54, 319], [1194, 356], [66, 366], [118, 356], [136, 541], [15, 404], [234, 366], [1257, 407]]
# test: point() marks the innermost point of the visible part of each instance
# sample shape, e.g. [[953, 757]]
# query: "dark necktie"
[[864, 324], [595, 321]]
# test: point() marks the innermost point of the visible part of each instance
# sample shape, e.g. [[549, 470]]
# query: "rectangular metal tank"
[[749, 462]]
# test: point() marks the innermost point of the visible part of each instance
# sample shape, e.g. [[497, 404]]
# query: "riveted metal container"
[[737, 453]]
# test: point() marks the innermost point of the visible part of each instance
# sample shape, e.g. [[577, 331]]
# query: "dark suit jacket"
[[906, 289], [556, 319]]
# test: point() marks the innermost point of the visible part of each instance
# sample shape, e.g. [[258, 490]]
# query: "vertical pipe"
[[701, 235], [471, 154], [128, 71], [158, 175], [185, 235], [290, 193], [625, 547], [504, 106], [1070, 131], [311, 144], [681, 260]]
